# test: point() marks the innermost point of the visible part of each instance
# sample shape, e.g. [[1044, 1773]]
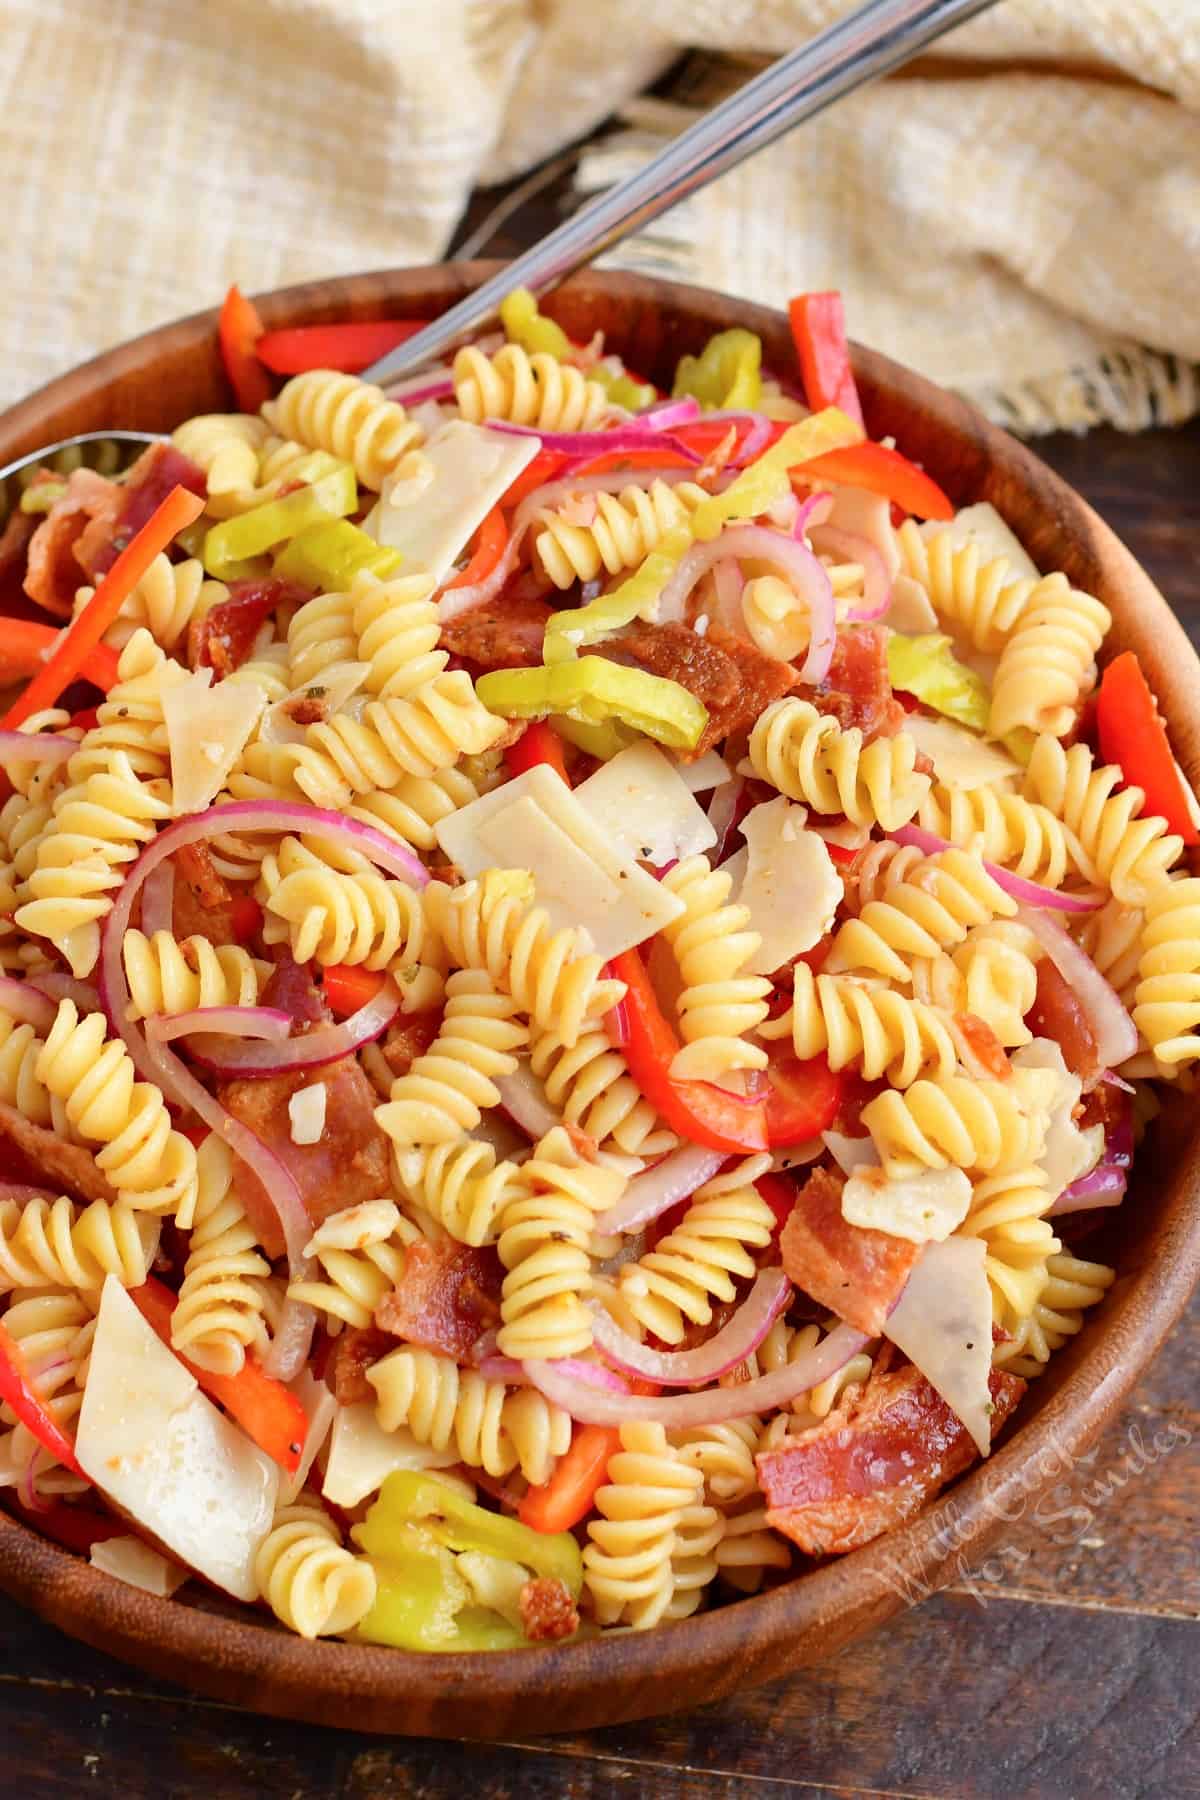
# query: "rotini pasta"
[[491, 1428], [347, 417], [321, 637], [446, 1091], [226, 446], [982, 600], [308, 1579], [20, 1085], [361, 1253], [220, 1315], [986, 976], [628, 1563], [166, 601], [699, 1261], [332, 916], [955, 1122], [397, 628], [526, 390], [1127, 852], [1167, 998], [172, 975], [719, 1004], [1006, 1212], [53, 1331], [624, 528], [1007, 829], [852, 1021], [1049, 662], [807, 756], [46, 1243], [724, 1455], [1071, 1285], [590, 1085], [925, 904], [461, 1184]]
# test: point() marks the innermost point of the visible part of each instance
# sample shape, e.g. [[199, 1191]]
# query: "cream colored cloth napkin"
[[1021, 221]]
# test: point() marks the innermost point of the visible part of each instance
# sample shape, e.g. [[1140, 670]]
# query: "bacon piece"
[[157, 470], [38, 1157], [857, 690], [408, 1038], [1056, 1013], [223, 639], [352, 1355], [448, 1295], [505, 634], [348, 1164], [54, 569], [733, 679], [203, 900], [547, 1609], [874, 1463], [294, 991], [858, 1273]]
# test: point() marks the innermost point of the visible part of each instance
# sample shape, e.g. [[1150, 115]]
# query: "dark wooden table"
[[1066, 1667]]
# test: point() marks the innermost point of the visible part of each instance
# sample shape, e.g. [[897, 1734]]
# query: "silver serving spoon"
[[106, 451], [876, 39]]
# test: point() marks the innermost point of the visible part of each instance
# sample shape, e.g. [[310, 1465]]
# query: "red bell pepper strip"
[[779, 1194], [544, 467], [18, 1391], [802, 1099], [25, 644], [239, 329], [567, 1497], [491, 541], [266, 1410], [351, 347], [663, 457], [85, 631], [882, 471], [697, 1110], [538, 743], [1132, 734], [348, 988], [818, 324], [245, 916], [74, 1527]]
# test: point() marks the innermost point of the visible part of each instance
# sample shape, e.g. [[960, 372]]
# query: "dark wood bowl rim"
[[625, 1676]]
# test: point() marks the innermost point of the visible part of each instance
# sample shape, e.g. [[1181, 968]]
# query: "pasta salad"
[[578, 968]]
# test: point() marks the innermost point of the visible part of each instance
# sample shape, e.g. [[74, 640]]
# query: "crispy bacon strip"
[[734, 680], [1056, 1013], [867, 1468], [547, 1609], [859, 1274], [34, 1155], [85, 515], [505, 635], [448, 1296], [223, 639], [353, 1353], [857, 690]]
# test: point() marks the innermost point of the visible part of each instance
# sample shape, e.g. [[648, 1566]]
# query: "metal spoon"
[[107, 451], [876, 39]]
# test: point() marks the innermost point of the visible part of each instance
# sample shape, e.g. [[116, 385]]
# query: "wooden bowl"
[[162, 378]]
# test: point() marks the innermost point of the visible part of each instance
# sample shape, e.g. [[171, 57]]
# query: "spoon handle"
[[875, 39]]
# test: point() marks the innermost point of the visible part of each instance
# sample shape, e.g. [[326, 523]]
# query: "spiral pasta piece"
[[166, 601], [56, 1243], [331, 916], [311, 1582], [492, 924], [1048, 664], [930, 905], [131, 717], [361, 1254], [1071, 1286], [20, 1085], [986, 977], [1167, 998], [397, 629], [53, 1332], [806, 755], [749, 1548], [533, 390], [850, 1021], [490, 1428], [462, 1185], [545, 1237], [220, 1315], [151, 1165], [785, 1344], [420, 735], [624, 529], [1007, 829], [982, 600], [169, 975], [955, 1122], [693, 1561], [349, 418], [589, 1083], [699, 1261], [1006, 1212], [1112, 937], [446, 1092], [719, 1004], [321, 637], [724, 1455], [1131, 854], [415, 805], [226, 446], [627, 1564]]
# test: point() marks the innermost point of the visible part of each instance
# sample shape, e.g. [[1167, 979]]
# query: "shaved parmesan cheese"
[[162, 1452], [319, 1408], [1069, 1152], [960, 759], [644, 808], [432, 524], [943, 1324], [708, 771], [207, 730], [362, 1455], [982, 525], [868, 516], [355, 1227], [132, 1561], [335, 687], [923, 1207], [910, 609], [790, 885], [851, 1153], [306, 1113], [617, 902]]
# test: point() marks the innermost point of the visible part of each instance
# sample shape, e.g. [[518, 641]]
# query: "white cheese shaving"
[[867, 516], [707, 772], [319, 1409], [960, 759], [470, 467], [355, 1227], [645, 810], [851, 1153], [138, 1565], [1069, 1152], [362, 1455], [982, 525], [306, 1113], [943, 1324], [207, 730], [923, 1207], [910, 609], [790, 884]]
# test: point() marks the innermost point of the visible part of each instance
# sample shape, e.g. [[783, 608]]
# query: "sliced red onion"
[[524, 1100], [669, 1181], [35, 746], [226, 1056], [714, 1406], [23, 1001], [877, 589], [1110, 1078], [735, 1341], [1029, 893], [634, 436], [756, 439], [1112, 1028], [797, 564], [728, 582], [783, 513], [811, 512], [593, 1375], [61, 986], [236, 1021], [723, 815], [292, 1342], [1105, 1186], [426, 384], [663, 415], [158, 899], [616, 1023]]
